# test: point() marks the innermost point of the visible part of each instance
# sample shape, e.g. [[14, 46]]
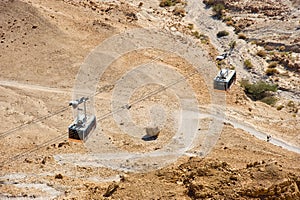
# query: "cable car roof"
[[224, 75]]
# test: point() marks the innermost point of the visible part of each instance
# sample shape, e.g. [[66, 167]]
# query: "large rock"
[[152, 131]]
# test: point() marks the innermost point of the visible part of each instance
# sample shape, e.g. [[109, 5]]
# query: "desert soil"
[[44, 43]]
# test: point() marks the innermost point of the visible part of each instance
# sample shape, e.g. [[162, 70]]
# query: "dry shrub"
[[229, 23], [261, 53], [222, 34], [242, 36], [167, 3], [178, 11], [271, 71], [248, 64], [273, 64]]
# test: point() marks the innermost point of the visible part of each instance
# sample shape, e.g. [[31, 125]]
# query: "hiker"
[[268, 138]]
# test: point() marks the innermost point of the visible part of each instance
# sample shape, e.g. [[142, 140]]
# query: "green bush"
[[259, 90], [248, 64], [218, 10], [222, 34], [271, 100]]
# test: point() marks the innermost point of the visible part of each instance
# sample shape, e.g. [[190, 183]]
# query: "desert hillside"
[[150, 64]]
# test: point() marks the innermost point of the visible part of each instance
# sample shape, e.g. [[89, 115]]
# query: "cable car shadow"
[[149, 138]]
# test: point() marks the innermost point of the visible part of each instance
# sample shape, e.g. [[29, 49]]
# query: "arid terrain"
[[45, 43]]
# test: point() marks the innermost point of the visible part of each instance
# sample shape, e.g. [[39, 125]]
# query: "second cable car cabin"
[[224, 79], [83, 124]]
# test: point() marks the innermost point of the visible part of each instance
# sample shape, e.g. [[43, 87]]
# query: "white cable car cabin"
[[224, 79], [83, 124]]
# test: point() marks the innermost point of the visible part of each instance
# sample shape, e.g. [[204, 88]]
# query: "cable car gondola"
[[83, 124], [224, 79]]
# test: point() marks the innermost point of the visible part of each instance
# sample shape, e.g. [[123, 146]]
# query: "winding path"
[[132, 162], [202, 18], [261, 135]]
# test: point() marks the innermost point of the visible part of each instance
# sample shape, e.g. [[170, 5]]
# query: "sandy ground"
[[43, 44]]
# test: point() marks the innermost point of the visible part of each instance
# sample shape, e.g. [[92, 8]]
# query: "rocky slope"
[[44, 42]]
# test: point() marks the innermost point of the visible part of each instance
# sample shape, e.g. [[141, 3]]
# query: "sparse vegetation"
[[248, 64], [272, 53], [167, 3], [178, 11], [242, 36], [271, 100], [286, 60], [281, 48], [222, 34], [273, 64], [190, 26], [291, 104], [229, 23], [260, 91], [271, 71], [204, 38], [269, 47], [209, 2], [292, 107], [232, 44], [196, 34], [254, 42], [232, 67], [262, 53], [280, 107], [240, 166], [228, 20], [218, 7], [218, 10]]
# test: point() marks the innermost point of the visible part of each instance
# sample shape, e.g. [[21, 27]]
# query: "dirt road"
[[38, 160], [32, 87]]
